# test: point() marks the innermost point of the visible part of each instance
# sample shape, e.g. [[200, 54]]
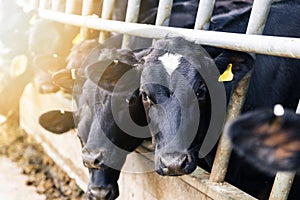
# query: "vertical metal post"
[[73, 6], [34, 3], [132, 15], [58, 5], [205, 10], [255, 26], [163, 13], [87, 9], [282, 185], [107, 10], [235, 105], [258, 17], [283, 181], [44, 4]]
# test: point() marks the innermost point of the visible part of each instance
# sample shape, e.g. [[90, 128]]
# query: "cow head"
[[103, 184], [174, 89], [110, 101]]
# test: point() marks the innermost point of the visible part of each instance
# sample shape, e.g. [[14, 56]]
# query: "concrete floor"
[[13, 183]]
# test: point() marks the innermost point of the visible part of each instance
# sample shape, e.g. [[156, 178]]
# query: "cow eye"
[[145, 97], [201, 92]]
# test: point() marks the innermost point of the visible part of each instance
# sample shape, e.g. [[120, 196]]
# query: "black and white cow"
[[105, 144], [174, 82]]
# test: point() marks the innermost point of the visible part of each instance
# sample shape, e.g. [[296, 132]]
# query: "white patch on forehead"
[[170, 61]]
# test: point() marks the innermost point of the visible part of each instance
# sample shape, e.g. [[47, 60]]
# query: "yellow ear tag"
[[227, 75], [32, 19], [76, 39]]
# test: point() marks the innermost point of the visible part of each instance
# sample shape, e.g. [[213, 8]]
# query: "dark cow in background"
[[15, 65], [268, 138], [49, 44]]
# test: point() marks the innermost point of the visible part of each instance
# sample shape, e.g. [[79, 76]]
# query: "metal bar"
[[87, 9], [44, 4], [205, 10], [164, 12], [107, 10], [219, 168], [282, 185], [283, 181], [132, 15], [58, 5], [255, 26], [269, 45], [258, 17], [34, 3], [73, 6]]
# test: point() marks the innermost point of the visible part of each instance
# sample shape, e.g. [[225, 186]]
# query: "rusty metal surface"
[[282, 185], [221, 161]]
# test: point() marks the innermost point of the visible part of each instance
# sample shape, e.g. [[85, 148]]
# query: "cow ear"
[[65, 79], [233, 64], [57, 121], [106, 73], [267, 141], [49, 62]]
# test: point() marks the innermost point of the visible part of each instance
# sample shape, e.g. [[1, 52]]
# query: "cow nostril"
[[97, 162], [92, 159], [100, 193], [183, 162], [165, 170]]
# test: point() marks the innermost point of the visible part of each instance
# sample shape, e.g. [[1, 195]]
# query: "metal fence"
[[79, 13]]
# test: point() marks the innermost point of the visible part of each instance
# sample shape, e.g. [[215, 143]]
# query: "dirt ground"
[[42, 173]]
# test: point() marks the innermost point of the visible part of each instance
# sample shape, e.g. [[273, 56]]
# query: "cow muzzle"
[[175, 164], [93, 159], [102, 193]]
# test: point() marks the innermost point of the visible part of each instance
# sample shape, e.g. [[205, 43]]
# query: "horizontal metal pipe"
[[204, 13], [270, 45]]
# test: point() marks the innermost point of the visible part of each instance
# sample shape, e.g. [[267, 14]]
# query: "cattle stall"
[[66, 150]]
